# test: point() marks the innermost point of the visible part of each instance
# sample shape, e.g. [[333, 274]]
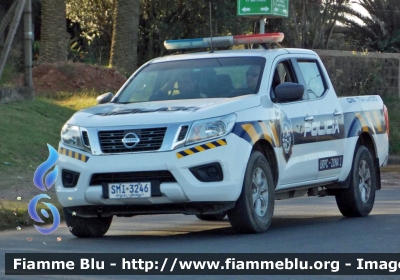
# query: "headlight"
[[70, 135], [211, 128]]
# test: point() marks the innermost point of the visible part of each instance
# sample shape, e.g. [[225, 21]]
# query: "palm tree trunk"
[[125, 36], [54, 38]]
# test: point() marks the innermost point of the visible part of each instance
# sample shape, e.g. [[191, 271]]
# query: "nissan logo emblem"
[[130, 140]]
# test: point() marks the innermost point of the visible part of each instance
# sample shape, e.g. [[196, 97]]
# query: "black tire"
[[87, 227], [254, 209], [358, 200], [211, 217]]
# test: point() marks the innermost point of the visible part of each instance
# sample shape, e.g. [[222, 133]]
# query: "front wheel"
[[254, 209], [358, 200], [87, 227]]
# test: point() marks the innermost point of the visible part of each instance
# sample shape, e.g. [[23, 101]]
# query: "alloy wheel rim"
[[260, 192], [364, 185]]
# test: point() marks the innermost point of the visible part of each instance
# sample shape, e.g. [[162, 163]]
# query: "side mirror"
[[104, 98], [287, 92]]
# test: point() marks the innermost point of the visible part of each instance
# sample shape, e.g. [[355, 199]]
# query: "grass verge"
[[26, 127], [14, 214], [29, 125]]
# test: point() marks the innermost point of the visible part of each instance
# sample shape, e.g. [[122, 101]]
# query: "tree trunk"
[[125, 36], [304, 29], [53, 41], [319, 26], [294, 17], [332, 27]]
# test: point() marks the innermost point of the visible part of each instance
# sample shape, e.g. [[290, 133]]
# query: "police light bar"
[[224, 41]]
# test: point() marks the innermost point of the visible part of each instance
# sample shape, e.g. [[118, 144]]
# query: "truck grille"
[[150, 140], [163, 176]]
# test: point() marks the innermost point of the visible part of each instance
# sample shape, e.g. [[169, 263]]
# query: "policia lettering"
[[321, 128], [288, 133]]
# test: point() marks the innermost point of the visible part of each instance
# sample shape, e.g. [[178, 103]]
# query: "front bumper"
[[185, 189]]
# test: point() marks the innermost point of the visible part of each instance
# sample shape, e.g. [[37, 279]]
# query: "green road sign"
[[275, 8], [280, 8]]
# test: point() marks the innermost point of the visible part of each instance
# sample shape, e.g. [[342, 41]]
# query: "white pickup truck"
[[252, 127]]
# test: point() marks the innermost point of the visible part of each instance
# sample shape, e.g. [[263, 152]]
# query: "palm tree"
[[54, 38], [125, 36], [379, 30], [311, 23]]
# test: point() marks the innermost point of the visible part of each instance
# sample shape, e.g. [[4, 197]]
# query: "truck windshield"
[[195, 78]]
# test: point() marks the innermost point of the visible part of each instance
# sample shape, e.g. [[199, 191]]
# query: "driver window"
[[283, 73]]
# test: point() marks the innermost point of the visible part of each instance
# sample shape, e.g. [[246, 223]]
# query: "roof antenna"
[[211, 32]]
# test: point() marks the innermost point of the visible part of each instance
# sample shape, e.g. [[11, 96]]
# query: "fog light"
[[69, 178], [212, 171], [208, 173]]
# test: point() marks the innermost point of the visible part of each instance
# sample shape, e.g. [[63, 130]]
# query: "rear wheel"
[[211, 217], [87, 227], [254, 209], [358, 200]]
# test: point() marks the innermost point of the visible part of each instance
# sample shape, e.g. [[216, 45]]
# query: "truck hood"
[[161, 112]]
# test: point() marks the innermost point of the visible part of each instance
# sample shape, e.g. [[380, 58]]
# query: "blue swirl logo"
[[43, 168], [49, 179], [32, 212]]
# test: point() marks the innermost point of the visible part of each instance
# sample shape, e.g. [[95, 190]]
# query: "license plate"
[[129, 190]]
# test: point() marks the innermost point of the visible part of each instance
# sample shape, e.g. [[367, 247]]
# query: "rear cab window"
[[315, 83]]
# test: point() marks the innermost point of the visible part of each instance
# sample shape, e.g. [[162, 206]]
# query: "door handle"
[[309, 118], [337, 113]]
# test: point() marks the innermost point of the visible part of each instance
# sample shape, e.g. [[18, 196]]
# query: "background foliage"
[[379, 28], [313, 24]]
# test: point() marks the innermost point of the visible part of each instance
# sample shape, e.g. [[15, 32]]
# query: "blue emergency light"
[[224, 41]]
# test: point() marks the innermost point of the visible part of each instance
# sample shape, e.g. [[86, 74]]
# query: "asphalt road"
[[300, 225]]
